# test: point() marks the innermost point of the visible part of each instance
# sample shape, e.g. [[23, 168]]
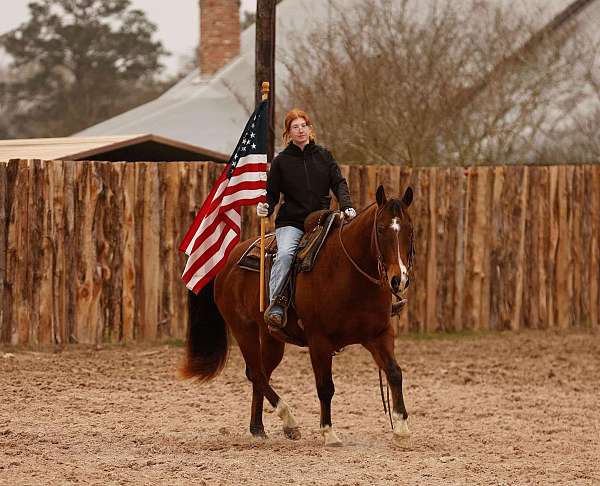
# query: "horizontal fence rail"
[[88, 250]]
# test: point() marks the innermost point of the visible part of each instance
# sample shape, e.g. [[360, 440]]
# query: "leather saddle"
[[316, 226]]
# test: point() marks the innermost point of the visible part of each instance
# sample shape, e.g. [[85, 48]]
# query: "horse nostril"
[[395, 283]]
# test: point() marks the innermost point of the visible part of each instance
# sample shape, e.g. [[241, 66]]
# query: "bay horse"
[[346, 299]]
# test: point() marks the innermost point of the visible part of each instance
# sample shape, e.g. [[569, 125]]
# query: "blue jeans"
[[287, 238]]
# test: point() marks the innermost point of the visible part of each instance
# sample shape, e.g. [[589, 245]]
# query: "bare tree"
[[398, 82], [577, 139]]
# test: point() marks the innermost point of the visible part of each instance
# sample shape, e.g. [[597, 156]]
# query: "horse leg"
[[382, 349], [248, 340], [321, 357], [257, 428], [272, 353], [247, 336]]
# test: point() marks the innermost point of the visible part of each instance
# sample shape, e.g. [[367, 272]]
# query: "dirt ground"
[[492, 409]]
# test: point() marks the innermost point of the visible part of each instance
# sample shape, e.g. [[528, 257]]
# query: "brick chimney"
[[219, 34]]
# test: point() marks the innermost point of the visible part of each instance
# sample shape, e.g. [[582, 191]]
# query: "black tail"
[[208, 340]]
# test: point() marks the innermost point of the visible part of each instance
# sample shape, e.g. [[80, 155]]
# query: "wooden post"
[[265, 62], [3, 238], [265, 96]]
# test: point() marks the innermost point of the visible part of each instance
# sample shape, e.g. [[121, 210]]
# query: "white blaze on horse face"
[[284, 413], [403, 270]]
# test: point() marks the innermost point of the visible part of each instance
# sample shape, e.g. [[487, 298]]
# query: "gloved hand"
[[262, 209], [350, 213]]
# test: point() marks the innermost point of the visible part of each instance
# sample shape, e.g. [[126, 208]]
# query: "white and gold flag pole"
[[265, 96]]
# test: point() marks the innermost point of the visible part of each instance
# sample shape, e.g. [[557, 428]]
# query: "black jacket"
[[304, 177]]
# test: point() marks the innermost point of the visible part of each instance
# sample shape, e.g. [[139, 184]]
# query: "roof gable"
[[110, 148]]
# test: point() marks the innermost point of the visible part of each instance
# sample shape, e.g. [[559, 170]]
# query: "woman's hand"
[[350, 213], [262, 209]]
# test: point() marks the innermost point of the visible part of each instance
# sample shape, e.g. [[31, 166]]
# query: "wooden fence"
[[88, 250]]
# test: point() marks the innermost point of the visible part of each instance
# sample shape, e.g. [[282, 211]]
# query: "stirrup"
[[397, 307], [275, 320]]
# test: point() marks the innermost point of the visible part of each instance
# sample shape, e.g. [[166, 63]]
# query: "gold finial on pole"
[[264, 89], [265, 96]]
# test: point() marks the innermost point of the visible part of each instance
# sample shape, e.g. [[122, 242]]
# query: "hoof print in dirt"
[[292, 433]]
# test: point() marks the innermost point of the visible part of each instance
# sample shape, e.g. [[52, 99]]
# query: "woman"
[[303, 172]]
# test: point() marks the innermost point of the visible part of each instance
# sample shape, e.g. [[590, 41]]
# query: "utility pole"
[[265, 62]]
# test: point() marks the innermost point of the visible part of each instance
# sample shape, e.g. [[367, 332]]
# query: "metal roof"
[[122, 147], [211, 112]]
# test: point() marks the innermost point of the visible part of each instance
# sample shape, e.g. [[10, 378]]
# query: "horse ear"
[[380, 196], [408, 196]]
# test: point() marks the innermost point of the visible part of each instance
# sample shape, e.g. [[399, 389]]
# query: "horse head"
[[393, 238]]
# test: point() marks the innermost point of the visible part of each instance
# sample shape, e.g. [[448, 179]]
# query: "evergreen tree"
[[75, 63]]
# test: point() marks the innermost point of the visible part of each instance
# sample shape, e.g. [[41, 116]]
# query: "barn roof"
[[211, 112], [129, 148]]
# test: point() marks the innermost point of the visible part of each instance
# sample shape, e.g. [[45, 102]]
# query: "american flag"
[[216, 228]]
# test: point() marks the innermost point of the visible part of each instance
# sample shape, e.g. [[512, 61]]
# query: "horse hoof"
[[335, 443], [259, 435], [292, 433], [401, 430], [402, 435], [331, 438]]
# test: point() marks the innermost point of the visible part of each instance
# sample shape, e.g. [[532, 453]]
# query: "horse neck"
[[358, 241]]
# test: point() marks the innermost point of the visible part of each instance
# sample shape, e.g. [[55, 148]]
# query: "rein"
[[381, 268], [365, 274]]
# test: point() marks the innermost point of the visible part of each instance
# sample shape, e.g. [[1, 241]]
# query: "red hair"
[[290, 116]]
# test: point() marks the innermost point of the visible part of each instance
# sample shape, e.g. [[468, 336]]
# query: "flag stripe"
[[216, 269], [243, 186], [233, 199], [250, 177], [213, 213], [187, 239], [219, 257], [257, 169], [251, 159], [209, 246], [249, 201], [233, 219], [207, 250]]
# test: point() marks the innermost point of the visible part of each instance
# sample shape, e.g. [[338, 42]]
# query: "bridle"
[[381, 268]]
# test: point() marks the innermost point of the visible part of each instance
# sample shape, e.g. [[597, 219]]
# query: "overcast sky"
[[177, 22]]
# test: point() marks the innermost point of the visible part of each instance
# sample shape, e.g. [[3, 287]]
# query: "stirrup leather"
[[282, 300]]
